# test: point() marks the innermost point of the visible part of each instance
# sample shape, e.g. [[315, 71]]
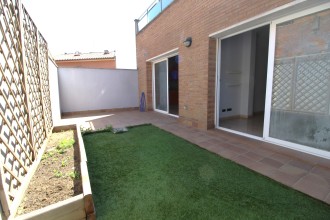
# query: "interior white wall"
[[230, 75], [54, 92], [83, 89], [247, 76], [237, 75]]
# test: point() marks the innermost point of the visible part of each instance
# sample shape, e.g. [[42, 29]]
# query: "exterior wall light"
[[187, 42]]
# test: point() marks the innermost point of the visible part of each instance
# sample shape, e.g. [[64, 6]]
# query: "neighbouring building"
[[102, 60], [259, 68]]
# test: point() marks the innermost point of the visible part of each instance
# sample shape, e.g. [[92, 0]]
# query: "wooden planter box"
[[77, 207]]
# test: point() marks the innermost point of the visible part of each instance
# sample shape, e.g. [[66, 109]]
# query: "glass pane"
[[154, 11], [161, 85], [173, 85], [301, 84], [143, 22], [166, 3]]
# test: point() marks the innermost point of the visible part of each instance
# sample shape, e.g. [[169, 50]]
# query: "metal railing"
[[151, 13]]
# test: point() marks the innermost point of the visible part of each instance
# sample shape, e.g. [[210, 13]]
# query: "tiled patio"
[[303, 172]]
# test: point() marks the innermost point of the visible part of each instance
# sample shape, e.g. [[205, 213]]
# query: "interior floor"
[[174, 109], [252, 125]]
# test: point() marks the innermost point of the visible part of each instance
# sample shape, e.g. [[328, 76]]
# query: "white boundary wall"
[[54, 92], [84, 89]]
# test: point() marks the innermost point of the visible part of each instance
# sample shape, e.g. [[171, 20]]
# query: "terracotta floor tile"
[[305, 165], [327, 200], [322, 172], [313, 185], [215, 141], [226, 153], [199, 138], [284, 177], [271, 162], [205, 144], [263, 152], [253, 156], [239, 150], [263, 169], [245, 161], [324, 162], [292, 170], [281, 158]]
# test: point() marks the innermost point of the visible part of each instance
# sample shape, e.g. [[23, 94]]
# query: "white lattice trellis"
[[312, 84], [302, 84], [282, 83], [25, 113]]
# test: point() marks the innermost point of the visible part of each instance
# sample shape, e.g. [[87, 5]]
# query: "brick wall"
[[196, 19], [304, 36], [97, 64]]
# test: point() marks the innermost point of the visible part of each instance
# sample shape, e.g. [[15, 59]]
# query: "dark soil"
[[58, 175]]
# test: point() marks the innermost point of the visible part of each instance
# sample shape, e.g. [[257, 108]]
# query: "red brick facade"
[[97, 64], [197, 63]]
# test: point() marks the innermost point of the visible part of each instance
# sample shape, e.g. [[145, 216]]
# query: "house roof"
[[86, 56]]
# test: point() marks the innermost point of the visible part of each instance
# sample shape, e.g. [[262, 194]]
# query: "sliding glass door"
[[296, 78], [166, 86], [300, 97], [161, 86]]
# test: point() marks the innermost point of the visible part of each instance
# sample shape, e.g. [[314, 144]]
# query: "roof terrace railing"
[[152, 12]]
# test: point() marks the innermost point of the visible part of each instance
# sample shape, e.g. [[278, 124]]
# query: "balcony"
[[151, 13]]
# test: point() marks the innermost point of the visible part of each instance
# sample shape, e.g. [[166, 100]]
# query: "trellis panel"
[[25, 107], [302, 84]]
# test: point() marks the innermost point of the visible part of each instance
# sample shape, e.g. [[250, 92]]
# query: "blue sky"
[[89, 26]]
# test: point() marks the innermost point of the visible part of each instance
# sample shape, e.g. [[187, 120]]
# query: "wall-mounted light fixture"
[[187, 42]]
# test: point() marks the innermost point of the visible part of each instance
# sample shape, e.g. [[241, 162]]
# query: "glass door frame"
[[269, 84], [217, 84], [167, 81], [269, 87]]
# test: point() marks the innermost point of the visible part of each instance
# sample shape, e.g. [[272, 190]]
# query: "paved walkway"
[[303, 172]]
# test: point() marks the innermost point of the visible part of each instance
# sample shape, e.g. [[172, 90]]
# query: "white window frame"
[[270, 72], [160, 58]]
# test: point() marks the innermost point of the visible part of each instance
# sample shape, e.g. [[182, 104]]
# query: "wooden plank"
[[3, 195], [24, 73], [15, 155], [12, 174], [13, 133], [82, 150], [11, 129], [87, 190], [41, 84], [64, 128], [72, 208]]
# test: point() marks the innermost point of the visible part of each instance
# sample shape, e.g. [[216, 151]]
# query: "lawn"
[[148, 173]]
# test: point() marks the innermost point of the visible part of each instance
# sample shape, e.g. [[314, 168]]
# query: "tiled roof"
[[86, 56]]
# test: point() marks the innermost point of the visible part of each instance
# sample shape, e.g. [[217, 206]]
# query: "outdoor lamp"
[[187, 41]]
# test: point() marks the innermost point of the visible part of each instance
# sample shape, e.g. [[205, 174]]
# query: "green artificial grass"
[[147, 173]]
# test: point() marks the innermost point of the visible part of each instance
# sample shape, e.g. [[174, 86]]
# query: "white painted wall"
[[237, 73], [247, 76], [83, 89], [54, 92], [230, 83]]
